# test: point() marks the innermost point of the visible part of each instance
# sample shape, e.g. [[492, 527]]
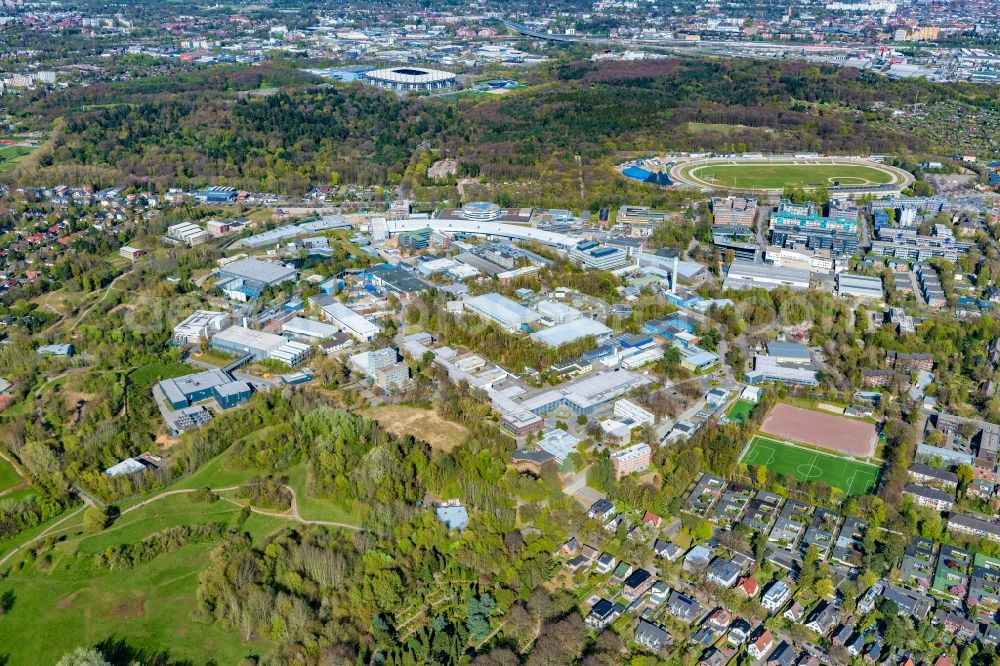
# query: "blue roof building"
[[454, 516]]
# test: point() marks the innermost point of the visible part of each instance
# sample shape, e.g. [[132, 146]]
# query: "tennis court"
[[852, 476]]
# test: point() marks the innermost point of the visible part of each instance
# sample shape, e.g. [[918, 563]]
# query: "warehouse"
[[186, 233], [199, 325], [245, 279], [241, 341], [502, 310], [258, 270], [859, 286], [409, 78], [181, 392], [554, 312], [747, 275], [308, 330], [586, 395], [348, 320], [769, 369], [395, 280], [571, 331], [789, 352]]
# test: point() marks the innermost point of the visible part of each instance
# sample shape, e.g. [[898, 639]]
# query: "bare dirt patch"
[[425, 424], [131, 609], [838, 433]]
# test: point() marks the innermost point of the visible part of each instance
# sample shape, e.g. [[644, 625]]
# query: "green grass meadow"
[[150, 607]]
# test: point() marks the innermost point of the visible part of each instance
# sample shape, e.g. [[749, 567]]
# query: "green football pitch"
[[852, 476], [776, 176]]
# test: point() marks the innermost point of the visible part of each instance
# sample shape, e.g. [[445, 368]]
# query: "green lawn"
[[8, 475], [11, 155], [149, 374], [740, 411], [852, 476], [150, 607], [776, 176]]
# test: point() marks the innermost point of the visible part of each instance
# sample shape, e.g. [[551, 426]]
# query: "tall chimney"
[[673, 280]]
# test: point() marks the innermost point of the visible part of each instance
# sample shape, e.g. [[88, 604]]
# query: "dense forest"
[[272, 128]]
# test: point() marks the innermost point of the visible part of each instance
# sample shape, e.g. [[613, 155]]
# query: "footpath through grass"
[[851, 476], [151, 607]]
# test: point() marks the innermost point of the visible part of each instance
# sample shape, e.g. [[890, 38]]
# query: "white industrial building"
[[559, 443], [186, 233], [309, 330], [258, 270], [554, 312], [572, 331], [241, 341], [502, 310], [859, 286], [748, 275], [631, 413], [769, 369], [345, 318], [199, 325]]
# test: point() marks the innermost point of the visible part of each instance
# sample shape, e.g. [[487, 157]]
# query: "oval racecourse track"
[[771, 175]]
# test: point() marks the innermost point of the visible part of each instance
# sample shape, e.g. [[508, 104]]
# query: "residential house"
[[908, 604], [658, 592], [932, 476], [929, 497], [823, 618], [667, 550], [739, 632], [636, 585], [723, 572], [794, 612], [713, 657], [683, 607], [605, 563], [761, 645], [602, 614], [775, 596], [748, 586], [601, 510], [652, 636], [784, 655]]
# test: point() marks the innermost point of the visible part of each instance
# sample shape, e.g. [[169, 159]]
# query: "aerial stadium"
[[410, 78], [770, 175]]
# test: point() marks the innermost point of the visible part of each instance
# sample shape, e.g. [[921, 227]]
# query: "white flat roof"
[[570, 331], [250, 339], [351, 320], [501, 309], [460, 225], [559, 443], [309, 328]]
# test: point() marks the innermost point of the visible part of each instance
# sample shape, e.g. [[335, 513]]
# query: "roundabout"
[[771, 175]]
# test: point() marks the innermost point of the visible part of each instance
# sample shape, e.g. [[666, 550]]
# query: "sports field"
[[740, 411], [776, 173], [827, 431], [852, 476]]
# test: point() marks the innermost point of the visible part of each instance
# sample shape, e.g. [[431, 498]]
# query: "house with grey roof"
[[652, 636], [723, 572], [683, 607]]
